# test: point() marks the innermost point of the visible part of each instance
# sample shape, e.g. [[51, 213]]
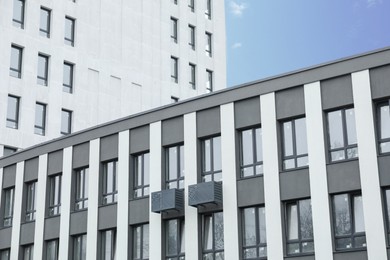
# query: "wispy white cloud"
[[373, 3], [238, 8], [237, 45]]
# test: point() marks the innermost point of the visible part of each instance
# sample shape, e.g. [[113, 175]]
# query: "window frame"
[[208, 9], [191, 5], [255, 163], [13, 122], [381, 140], [68, 88], [174, 29], [15, 22], [142, 242], [143, 187], [40, 129], [79, 242], [8, 216], [212, 172], [8, 150], [43, 79], [213, 250], [54, 207], [179, 236], [16, 72], [209, 82], [174, 69], [113, 242], [386, 204], [45, 31], [55, 242], [69, 121], [70, 41], [259, 244], [6, 253], [209, 43], [192, 80], [28, 252], [81, 188], [31, 207], [192, 36], [179, 180], [110, 197]]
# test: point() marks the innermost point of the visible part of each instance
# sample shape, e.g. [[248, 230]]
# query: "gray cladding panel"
[[384, 166], [55, 162], [172, 131], [343, 176], [78, 222], [31, 169], [52, 228], [208, 122], [357, 255], [9, 174], [380, 84], [247, 112], [336, 92], [80, 155], [250, 191], [110, 145], [139, 139], [107, 216], [138, 211], [27, 231], [290, 103], [5, 235], [294, 184]]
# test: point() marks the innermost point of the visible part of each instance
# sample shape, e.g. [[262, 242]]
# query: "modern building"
[[68, 65], [290, 167]]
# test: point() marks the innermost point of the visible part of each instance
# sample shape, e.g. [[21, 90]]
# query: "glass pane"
[[293, 248], [42, 66], [352, 153], [65, 121], [182, 237], [247, 171], [307, 247], [218, 176], [335, 124], [384, 117], [67, 77], [109, 177], [207, 155], [288, 164], [138, 170], [358, 214], [287, 139], [172, 237], [44, 20], [342, 217], [263, 251], [388, 207], [302, 161], [219, 256], [209, 256], [18, 10], [137, 242], [305, 217], [181, 161], [108, 244], [208, 233], [217, 153], [86, 174], [259, 144], [218, 229], [12, 108], [262, 227], [292, 221], [39, 115], [385, 147], [51, 253], [360, 241], [351, 129], [250, 253], [247, 147], [259, 169], [250, 227], [343, 243], [301, 137], [337, 155], [172, 163], [146, 169], [69, 23], [145, 242]]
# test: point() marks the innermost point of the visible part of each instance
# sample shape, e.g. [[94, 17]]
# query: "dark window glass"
[[141, 242], [212, 236], [251, 152], [348, 221], [175, 167], [31, 190], [67, 84], [54, 195], [5, 254], [108, 251], [141, 175], [208, 9], [79, 247], [44, 24], [8, 206], [43, 69], [28, 252], [208, 47], [211, 159], [13, 112], [174, 240], [174, 29], [9, 150], [66, 122], [192, 76], [174, 70], [254, 233], [342, 134], [40, 119], [191, 5], [15, 69], [383, 120], [69, 31], [110, 182], [52, 249], [387, 213], [18, 14], [174, 99], [191, 37], [209, 82], [82, 177]]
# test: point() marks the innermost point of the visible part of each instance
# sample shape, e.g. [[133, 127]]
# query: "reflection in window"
[[28, 252], [141, 176], [66, 122], [294, 144], [67, 84], [69, 31], [175, 167], [207, 12], [342, 134], [348, 221], [212, 236], [79, 247], [174, 29], [5, 254], [251, 152], [208, 44], [254, 233], [192, 76], [15, 69], [299, 227], [18, 14], [174, 239], [141, 242], [82, 177], [31, 202], [209, 81], [44, 24], [108, 244], [8, 206], [13, 112], [211, 159], [40, 119], [174, 69], [191, 41], [383, 112], [43, 69], [52, 249], [110, 182], [54, 195]]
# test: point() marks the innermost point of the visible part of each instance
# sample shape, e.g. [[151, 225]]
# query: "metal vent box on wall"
[[205, 193], [166, 200]]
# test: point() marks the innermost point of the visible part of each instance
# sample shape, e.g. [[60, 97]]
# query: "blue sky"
[[269, 37]]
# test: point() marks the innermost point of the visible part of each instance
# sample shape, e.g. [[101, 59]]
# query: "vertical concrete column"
[[123, 196], [191, 173], [155, 185], [16, 219], [65, 203], [93, 198], [40, 207], [273, 217], [368, 165], [230, 217], [317, 172]]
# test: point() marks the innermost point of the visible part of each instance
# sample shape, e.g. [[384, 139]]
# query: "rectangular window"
[[383, 121], [18, 14], [299, 227], [13, 112], [191, 37], [254, 239], [342, 134], [110, 182], [212, 236], [44, 24], [28, 252], [31, 189], [387, 212], [67, 84], [207, 12], [79, 247], [15, 69], [40, 119], [8, 206], [174, 99], [192, 76], [66, 122], [174, 2], [5, 254], [211, 159], [174, 29], [43, 69], [69, 31], [251, 152], [108, 245], [141, 242], [54, 195], [294, 144], [175, 167], [9, 150], [52, 249], [209, 43], [191, 5], [82, 177], [174, 69], [141, 176], [174, 239], [209, 82], [348, 221]]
